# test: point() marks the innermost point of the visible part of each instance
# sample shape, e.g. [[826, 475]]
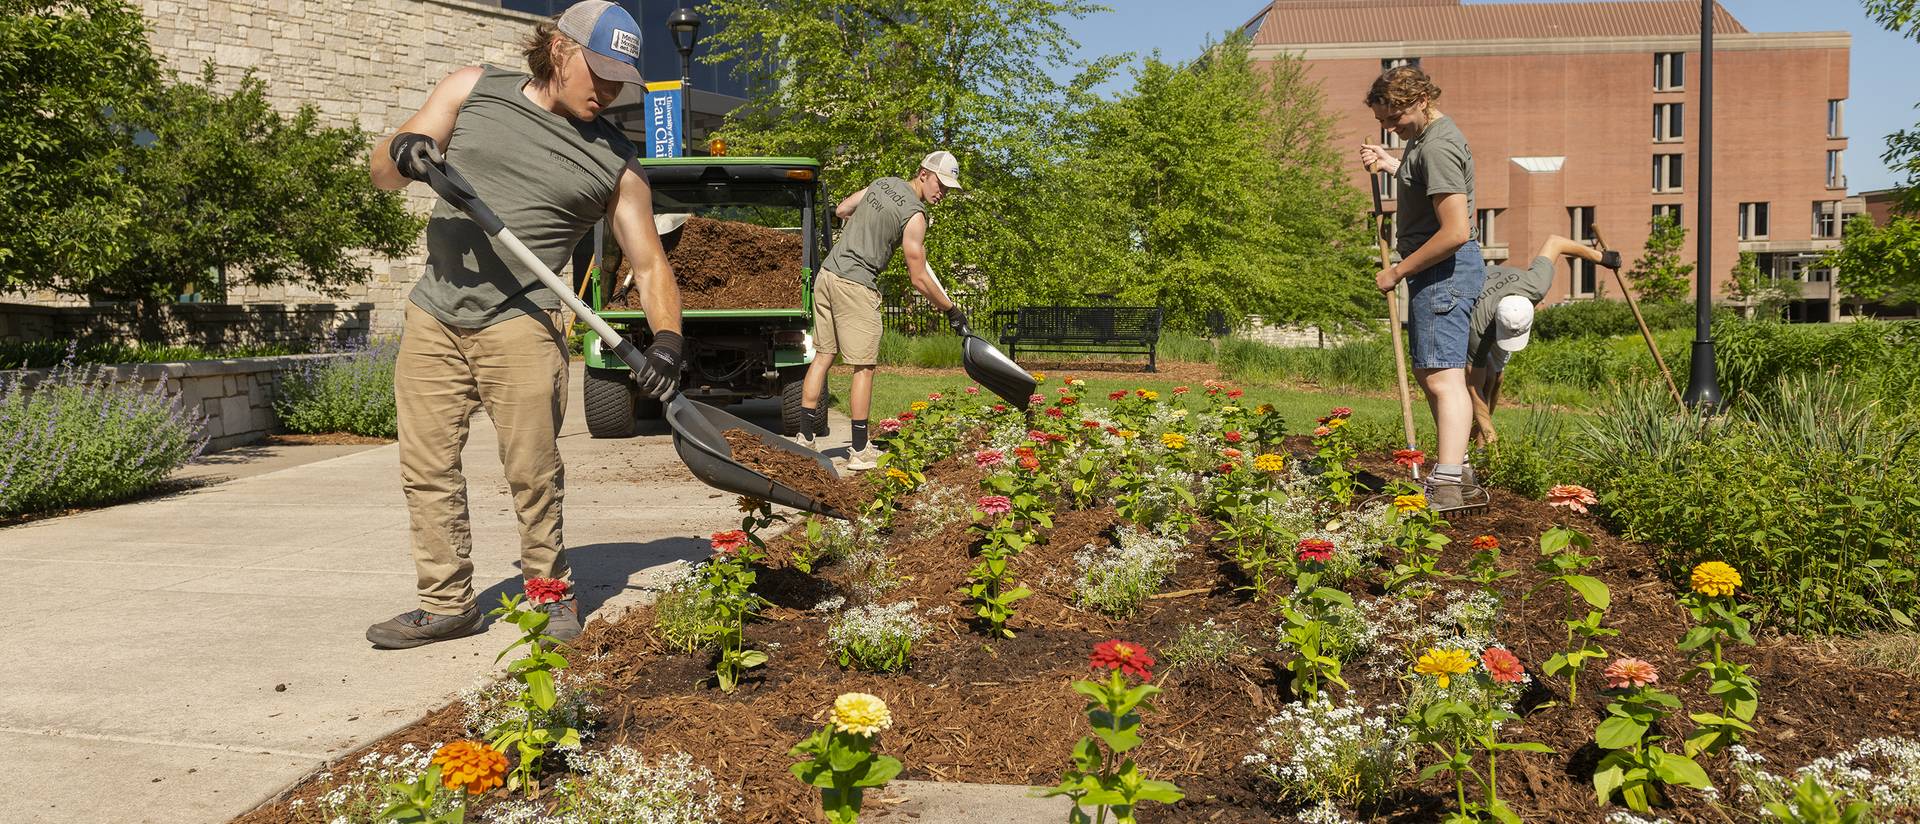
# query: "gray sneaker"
[[1442, 497], [864, 459], [563, 618], [420, 627]]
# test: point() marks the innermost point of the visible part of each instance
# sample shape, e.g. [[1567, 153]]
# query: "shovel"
[[696, 427], [990, 367]]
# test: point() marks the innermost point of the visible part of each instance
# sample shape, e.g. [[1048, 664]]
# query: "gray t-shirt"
[[1437, 162], [873, 234], [1531, 283], [548, 176]]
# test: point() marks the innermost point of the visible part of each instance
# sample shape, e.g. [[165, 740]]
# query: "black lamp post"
[[1703, 380], [685, 25]]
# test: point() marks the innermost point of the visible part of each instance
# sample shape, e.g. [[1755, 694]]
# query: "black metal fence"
[[905, 311]]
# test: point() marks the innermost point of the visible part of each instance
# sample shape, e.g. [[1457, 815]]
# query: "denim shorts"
[[1439, 305]]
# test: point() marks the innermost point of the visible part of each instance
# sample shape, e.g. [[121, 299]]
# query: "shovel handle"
[[1393, 318], [458, 193]]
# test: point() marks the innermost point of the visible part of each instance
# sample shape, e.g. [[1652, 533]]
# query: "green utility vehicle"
[[732, 354]]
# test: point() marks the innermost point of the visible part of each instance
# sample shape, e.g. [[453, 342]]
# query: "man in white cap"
[[481, 330], [889, 214], [1502, 324]]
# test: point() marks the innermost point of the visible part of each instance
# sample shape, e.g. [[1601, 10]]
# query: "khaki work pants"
[[517, 370]]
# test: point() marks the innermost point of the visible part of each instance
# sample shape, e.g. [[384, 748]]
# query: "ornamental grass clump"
[[619, 785], [350, 392], [1117, 580], [1314, 751], [876, 638], [79, 439]]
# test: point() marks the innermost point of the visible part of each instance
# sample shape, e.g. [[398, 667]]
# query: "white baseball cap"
[[1513, 322], [945, 166]]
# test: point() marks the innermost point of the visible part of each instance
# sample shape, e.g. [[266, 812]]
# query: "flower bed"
[[1308, 646]]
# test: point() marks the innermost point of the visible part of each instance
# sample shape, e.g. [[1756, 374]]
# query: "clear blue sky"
[[1880, 102]]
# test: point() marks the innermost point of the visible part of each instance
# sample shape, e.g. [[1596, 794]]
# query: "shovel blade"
[[991, 368], [697, 437]]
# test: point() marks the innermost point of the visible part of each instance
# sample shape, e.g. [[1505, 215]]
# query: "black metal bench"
[[1082, 330]]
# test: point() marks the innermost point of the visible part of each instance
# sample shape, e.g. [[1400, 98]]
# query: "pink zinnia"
[[1321, 432], [545, 590], [1230, 452], [729, 541], [989, 458], [973, 390], [1317, 550], [890, 426], [1065, 391], [1036, 398], [1409, 458], [995, 505], [1571, 496], [1502, 666], [1342, 411], [1624, 673], [934, 396], [1036, 436], [1234, 436]]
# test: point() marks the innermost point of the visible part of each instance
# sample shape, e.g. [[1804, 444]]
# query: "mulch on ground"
[[796, 472], [1002, 711], [323, 439], [724, 264]]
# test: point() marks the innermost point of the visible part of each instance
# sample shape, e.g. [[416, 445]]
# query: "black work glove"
[[957, 320], [662, 376], [410, 152], [1610, 259]]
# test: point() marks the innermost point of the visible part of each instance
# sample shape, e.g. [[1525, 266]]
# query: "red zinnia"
[[1234, 436], [1127, 657], [1323, 420], [1025, 451], [1140, 392], [1235, 393], [1090, 424], [1227, 468], [545, 590], [1111, 430], [1409, 458], [999, 407], [1054, 412], [1180, 390], [907, 416], [1486, 542], [1116, 394], [1055, 437], [1030, 464], [1069, 401], [1503, 666], [729, 540], [1317, 550]]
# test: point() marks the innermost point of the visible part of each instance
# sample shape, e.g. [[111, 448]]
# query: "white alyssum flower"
[[362, 791], [494, 703], [1117, 580], [620, 784], [1884, 772], [877, 638], [1315, 751]]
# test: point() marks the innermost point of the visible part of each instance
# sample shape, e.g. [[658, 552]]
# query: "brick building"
[[1588, 113]]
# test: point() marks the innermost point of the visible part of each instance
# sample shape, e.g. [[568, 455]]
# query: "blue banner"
[[664, 119]]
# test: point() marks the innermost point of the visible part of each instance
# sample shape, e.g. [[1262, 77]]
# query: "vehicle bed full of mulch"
[[1002, 711], [801, 474], [724, 264]]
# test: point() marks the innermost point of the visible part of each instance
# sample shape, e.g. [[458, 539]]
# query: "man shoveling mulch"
[[724, 264]]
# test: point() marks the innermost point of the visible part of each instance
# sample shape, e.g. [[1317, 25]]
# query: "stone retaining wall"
[[236, 395], [206, 325]]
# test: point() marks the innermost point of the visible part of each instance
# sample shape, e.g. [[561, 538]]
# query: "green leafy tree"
[[1878, 263], [231, 190], [1901, 17], [68, 67], [1766, 296], [1659, 275]]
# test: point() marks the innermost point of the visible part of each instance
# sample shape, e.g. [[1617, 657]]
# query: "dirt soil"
[[723, 264], [805, 476], [1002, 711]]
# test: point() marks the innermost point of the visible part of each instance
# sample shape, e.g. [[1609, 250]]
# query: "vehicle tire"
[[649, 409], [609, 396], [792, 418]]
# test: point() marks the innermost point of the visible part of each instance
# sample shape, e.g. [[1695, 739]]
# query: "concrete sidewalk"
[[182, 658]]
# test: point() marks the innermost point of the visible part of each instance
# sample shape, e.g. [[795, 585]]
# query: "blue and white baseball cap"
[[611, 38]]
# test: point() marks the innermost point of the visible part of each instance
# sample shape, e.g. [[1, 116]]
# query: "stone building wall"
[[367, 61], [235, 396], [206, 325]]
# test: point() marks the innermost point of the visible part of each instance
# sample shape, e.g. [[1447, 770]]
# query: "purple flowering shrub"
[[349, 393], [79, 439]]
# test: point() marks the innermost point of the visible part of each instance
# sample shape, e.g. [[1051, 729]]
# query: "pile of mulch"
[[1002, 711], [797, 472], [724, 264]]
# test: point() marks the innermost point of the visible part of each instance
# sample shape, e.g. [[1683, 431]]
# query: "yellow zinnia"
[[1174, 440], [1229, 410], [1410, 503], [1039, 377], [1269, 463], [918, 406], [894, 474], [1264, 409], [1715, 579], [470, 766], [1127, 434], [1443, 664], [861, 714], [1336, 423]]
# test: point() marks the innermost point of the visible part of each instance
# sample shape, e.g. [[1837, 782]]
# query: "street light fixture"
[[685, 25], [1703, 380]]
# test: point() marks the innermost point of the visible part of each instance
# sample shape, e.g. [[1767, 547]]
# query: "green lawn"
[[1377, 420]]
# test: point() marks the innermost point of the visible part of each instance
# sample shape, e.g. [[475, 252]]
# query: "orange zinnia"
[[471, 766]]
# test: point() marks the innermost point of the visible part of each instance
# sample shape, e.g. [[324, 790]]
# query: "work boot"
[[420, 627], [1466, 475], [864, 459], [563, 618], [1444, 495]]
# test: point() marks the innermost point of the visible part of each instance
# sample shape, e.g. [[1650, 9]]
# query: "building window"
[[1671, 210], [1580, 220], [1836, 114], [1585, 280], [1389, 185], [1753, 221], [1836, 170], [1391, 139], [1392, 230], [1666, 122], [1666, 173], [1484, 225], [1669, 71], [1826, 219], [1397, 62]]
